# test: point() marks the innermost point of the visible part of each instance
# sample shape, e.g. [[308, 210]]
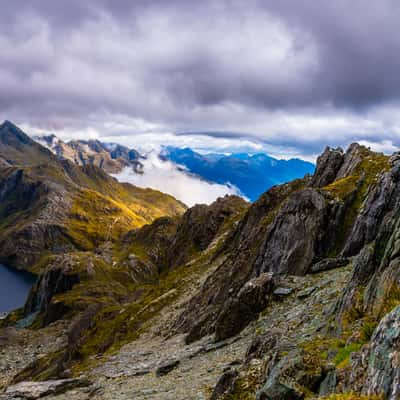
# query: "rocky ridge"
[[292, 297], [112, 158]]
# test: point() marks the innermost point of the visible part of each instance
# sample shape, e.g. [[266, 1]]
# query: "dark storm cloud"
[[300, 73]]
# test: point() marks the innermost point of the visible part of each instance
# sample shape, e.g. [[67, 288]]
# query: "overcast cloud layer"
[[288, 77]]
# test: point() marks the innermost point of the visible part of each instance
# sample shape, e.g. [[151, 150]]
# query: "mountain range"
[[294, 296], [252, 174]]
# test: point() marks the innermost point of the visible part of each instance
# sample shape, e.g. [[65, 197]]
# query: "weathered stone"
[[36, 390], [306, 292], [290, 245], [290, 378], [351, 159], [328, 165], [328, 385], [224, 384], [382, 199], [245, 307], [328, 263], [282, 292], [383, 376], [237, 265], [166, 367]]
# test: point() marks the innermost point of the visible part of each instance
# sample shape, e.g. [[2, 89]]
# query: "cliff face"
[[300, 290]]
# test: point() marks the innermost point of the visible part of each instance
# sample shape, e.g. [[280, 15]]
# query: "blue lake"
[[14, 288]]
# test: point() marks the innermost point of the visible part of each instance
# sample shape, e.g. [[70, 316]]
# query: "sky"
[[286, 77]]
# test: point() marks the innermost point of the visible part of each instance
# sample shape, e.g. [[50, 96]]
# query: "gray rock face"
[[245, 307], [351, 159], [334, 164], [265, 343], [306, 292], [290, 246], [328, 385], [377, 210], [328, 165], [36, 390], [383, 376], [376, 241]]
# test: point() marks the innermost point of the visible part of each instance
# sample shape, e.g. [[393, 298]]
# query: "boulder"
[[166, 367], [245, 307], [329, 263], [281, 292]]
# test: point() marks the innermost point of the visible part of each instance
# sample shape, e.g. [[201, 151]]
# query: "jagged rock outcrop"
[[379, 208], [335, 164], [375, 240], [329, 263], [328, 165], [224, 385]]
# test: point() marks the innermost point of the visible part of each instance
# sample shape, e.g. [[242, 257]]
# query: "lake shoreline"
[[15, 286]]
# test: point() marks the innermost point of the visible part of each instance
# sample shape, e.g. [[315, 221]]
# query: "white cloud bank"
[[169, 178]]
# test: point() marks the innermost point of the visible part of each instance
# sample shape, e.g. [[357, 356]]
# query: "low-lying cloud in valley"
[[172, 179]]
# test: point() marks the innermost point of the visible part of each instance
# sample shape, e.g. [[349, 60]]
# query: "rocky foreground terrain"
[[296, 296]]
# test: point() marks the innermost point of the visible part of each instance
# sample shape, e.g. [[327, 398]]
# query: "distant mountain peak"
[[11, 135], [8, 124], [251, 173]]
